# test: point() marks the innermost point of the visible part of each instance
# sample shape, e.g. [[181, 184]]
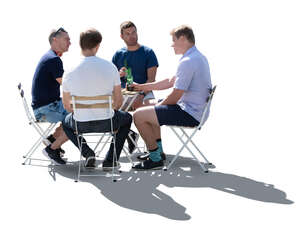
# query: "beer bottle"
[[129, 79]]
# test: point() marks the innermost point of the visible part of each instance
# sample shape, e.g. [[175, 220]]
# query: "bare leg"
[[60, 138], [146, 122], [155, 129], [57, 131]]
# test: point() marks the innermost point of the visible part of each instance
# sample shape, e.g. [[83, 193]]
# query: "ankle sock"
[[155, 154], [159, 144]]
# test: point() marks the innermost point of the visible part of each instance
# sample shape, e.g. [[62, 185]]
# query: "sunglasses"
[[58, 31]]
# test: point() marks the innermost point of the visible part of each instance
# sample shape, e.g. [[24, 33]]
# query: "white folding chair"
[[37, 126], [189, 136], [129, 98], [108, 137], [94, 102]]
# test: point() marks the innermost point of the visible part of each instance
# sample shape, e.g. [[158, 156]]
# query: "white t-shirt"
[[93, 76]]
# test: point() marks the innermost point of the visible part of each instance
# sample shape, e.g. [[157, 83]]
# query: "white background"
[[252, 135]]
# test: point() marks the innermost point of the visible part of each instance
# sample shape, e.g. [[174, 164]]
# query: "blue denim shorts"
[[53, 112]]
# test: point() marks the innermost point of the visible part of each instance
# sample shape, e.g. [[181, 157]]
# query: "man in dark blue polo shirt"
[[46, 101]]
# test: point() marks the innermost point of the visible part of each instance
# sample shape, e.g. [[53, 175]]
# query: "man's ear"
[[182, 38]]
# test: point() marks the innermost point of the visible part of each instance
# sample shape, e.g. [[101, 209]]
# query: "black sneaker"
[[90, 162], [149, 164], [145, 157], [51, 139], [108, 165], [131, 144], [47, 141], [54, 155]]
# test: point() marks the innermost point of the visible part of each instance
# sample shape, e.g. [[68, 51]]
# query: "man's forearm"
[[66, 100], [169, 100], [117, 105], [160, 85], [172, 98]]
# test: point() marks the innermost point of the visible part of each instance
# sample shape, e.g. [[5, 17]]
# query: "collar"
[[189, 51], [59, 54]]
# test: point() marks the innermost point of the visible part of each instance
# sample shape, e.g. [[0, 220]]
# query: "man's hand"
[[122, 72], [136, 86]]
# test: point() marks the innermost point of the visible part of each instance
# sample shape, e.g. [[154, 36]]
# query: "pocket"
[[53, 106]]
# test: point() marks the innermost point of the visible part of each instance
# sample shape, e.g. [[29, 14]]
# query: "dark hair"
[[55, 33], [90, 39], [185, 31], [126, 25]]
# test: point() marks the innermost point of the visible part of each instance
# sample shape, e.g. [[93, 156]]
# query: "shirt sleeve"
[[56, 68], [65, 83], [184, 75], [116, 75], [151, 59], [115, 60]]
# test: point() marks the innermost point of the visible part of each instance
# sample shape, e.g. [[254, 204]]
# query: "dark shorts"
[[174, 115]]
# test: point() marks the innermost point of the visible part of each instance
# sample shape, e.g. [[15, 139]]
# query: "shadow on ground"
[[139, 190]]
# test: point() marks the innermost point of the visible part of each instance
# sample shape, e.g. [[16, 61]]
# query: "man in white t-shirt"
[[95, 76]]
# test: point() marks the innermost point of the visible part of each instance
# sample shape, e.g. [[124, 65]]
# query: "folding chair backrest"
[[25, 104], [95, 102], [207, 105]]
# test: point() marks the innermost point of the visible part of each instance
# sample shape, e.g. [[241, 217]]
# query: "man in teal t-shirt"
[[143, 64], [139, 58]]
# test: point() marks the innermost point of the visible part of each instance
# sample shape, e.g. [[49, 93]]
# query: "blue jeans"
[[121, 122], [53, 112]]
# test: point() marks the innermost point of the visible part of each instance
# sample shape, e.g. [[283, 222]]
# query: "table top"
[[126, 92]]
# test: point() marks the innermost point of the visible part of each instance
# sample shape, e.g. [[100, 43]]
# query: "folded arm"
[[173, 97]]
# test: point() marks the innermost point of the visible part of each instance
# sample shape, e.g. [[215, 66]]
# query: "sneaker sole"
[[46, 154], [144, 159]]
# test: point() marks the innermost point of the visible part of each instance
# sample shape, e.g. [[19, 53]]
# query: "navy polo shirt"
[[45, 88], [139, 61]]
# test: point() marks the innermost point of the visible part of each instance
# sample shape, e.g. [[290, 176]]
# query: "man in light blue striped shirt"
[[183, 106]]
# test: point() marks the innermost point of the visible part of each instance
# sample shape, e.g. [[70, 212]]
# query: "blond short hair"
[[184, 30]]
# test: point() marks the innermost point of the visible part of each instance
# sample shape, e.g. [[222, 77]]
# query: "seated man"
[[46, 101], [143, 63], [95, 76], [183, 106]]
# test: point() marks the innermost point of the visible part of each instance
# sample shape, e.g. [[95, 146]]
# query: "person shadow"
[[138, 190]]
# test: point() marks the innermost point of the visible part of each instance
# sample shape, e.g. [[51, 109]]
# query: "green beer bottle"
[[129, 79]]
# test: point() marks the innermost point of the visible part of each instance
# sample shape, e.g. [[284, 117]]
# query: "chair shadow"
[[138, 190]]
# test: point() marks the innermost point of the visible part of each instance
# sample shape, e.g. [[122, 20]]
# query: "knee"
[[138, 116]]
